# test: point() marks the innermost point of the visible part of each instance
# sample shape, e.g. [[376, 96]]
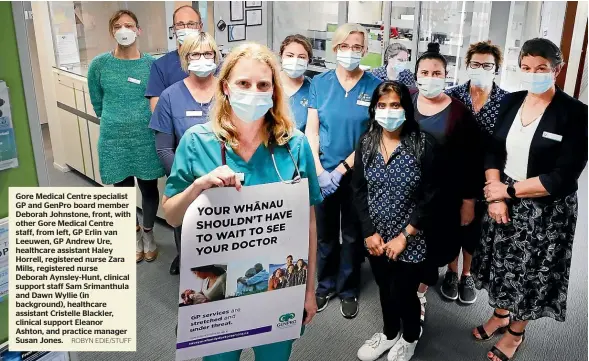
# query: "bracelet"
[[346, 165]]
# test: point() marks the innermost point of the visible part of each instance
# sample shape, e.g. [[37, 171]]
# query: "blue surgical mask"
[[250, 106], [182, 33], [536, 83], [202, 67], [349, 60], [390, 119]]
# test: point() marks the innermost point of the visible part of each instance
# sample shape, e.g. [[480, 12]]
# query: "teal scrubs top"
[[343, 116], [299, 104], [199, 153]]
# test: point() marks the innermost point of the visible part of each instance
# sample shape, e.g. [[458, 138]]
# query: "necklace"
[[521, 117]]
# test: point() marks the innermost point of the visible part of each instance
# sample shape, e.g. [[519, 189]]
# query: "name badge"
[[133, 80], [552, 136], [363, 103], [194, 113], [240, 176]]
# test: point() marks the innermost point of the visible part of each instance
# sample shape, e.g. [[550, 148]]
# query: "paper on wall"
[[8, 154]]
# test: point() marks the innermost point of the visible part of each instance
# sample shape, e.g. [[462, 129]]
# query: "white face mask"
[[536, 83], [430, 87], [390, 119], [125, 36], [250, 106], [294, 67], [182, 33], [480, 77], [202, 67], [349, 60], [394, 68]]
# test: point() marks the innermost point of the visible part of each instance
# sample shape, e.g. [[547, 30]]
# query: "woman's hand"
[[326, 184], [222, 176], [375, 245], [395, 247], [495, 191], [499, 212], [310, 306], [467, 212]]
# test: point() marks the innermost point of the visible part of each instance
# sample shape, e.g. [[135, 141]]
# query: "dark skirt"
[[525, 264]]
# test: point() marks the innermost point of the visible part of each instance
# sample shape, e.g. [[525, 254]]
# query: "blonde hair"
[[341, 34], [193, 42], [279, 125]]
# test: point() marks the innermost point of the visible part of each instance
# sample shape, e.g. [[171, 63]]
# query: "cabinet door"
[[70, 129], [86, 151], [94, 132]]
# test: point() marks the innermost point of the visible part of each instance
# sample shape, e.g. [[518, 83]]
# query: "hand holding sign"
[[222, 176]]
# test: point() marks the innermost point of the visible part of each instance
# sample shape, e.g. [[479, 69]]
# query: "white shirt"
[[518, 144]]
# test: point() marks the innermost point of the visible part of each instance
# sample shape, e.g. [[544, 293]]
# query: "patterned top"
[[486, 118], [396, 192], [126, 145], [405, 77]]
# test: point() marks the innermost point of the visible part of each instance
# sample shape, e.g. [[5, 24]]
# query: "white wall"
[[553, 13], [257, 34]]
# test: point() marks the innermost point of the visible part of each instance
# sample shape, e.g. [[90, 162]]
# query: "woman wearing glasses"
[[483, 98], [187, 102], [250, 132], [126, 147], [338, 116], [296, 52], [537, 154], [396, 60]]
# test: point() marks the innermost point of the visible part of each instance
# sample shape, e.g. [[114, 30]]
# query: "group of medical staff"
[[401, 170]]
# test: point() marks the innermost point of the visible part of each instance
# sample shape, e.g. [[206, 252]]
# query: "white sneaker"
[[376, 346], [402, 351]]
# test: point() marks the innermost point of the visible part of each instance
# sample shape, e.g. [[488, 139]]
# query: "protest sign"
[[243, 268]]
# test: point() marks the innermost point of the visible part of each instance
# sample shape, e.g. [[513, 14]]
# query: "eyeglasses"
[[354, 48], [189, 25], [486, 66], [196, 55]]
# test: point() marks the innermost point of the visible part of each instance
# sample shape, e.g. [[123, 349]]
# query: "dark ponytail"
[[433, 52], [410, 133]]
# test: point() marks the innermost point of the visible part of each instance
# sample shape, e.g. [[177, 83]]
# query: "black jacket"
[[558, 164]]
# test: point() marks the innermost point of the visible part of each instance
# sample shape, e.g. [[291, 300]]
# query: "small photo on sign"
[[247, 278], [288, 274], [210, 284]]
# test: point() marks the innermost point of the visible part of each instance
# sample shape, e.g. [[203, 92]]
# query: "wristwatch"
[[346, 165], [408, 237], [511, 192]]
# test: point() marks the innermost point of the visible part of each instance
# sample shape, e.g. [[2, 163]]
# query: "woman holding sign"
[[394, 190], [250, 140]]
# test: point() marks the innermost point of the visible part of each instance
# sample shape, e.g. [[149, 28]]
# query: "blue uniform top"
[[199, 153], [299, 104], [177, 111], [343, 117], [164, 72]]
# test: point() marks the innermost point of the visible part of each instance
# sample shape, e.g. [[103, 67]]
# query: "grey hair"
[[393, 50]]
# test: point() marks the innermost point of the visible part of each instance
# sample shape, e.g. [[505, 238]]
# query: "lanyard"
[[296, 178]]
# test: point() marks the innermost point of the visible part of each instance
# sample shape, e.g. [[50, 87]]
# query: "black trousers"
[[150, 198], [178, 238], [338, 265], [470, 236], [397, 283]]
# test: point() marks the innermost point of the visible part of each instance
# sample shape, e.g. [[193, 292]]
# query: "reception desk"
[[80, 127]]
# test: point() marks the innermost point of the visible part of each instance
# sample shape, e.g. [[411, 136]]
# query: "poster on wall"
[[33, 356], [236, 33], [243, 269], [8, 155], [3, 258]]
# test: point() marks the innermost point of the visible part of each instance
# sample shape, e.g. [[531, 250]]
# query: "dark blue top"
[[165, 71], [343, 116], [177, 111], [299, 104], [486, 118], [436, 124], [405, 77]]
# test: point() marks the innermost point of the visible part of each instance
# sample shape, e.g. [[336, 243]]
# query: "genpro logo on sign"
[[286, 320]]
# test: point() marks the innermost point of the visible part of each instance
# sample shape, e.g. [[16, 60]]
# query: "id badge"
[[133, 80], [194, 113]]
